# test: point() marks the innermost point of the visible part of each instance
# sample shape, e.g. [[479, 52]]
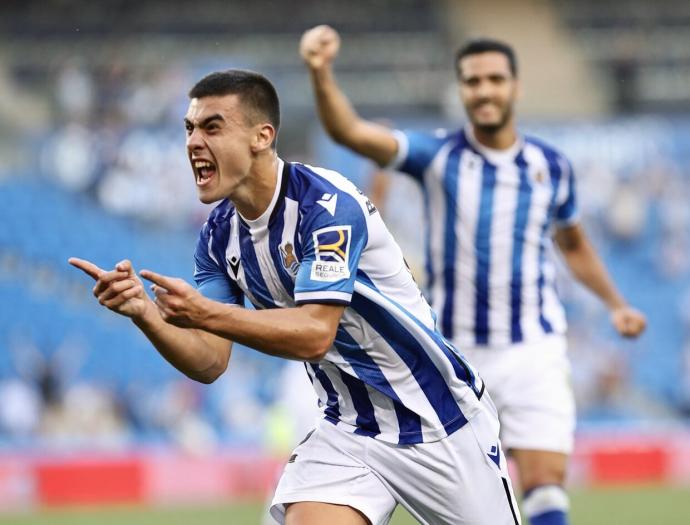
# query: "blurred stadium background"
[[92, 164]]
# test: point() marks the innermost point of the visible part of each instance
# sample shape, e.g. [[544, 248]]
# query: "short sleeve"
[[566, 206], [334, 234], [416, 150], [211, 279]]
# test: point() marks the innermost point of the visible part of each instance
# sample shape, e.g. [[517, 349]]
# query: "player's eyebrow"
[[206, 121]]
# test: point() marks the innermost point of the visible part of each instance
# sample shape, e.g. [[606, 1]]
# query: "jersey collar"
[[263, 220], [495, 156]]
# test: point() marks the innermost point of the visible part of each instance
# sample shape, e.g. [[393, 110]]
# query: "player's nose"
[[194, 140]]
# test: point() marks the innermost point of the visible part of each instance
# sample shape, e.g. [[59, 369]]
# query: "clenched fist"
[[319, 46], [628, 322]]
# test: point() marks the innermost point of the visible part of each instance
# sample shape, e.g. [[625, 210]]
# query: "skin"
[[193, 333], [488, 91]]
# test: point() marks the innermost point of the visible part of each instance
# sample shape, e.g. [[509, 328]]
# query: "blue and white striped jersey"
[[489, 215], [390, 374]]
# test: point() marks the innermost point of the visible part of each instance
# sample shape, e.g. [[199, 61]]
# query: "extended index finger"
[[156, 278], [86, 266]]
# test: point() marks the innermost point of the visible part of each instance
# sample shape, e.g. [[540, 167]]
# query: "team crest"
[[540, 177], [287, 255], [332, 254]]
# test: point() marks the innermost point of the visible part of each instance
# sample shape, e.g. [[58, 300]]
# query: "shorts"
[[530, 385], [460, 479]]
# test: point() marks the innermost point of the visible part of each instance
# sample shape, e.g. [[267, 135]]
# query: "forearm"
[[335, 111], [345, 126], [185, 348], [589, 269], [290, 333]]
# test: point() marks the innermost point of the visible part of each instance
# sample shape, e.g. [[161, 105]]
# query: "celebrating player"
[[493, 197], [406, 418]]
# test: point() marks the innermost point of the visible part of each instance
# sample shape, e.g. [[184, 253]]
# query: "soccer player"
[[493, 196], [406, 419]]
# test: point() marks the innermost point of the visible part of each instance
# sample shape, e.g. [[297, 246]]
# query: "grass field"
[[610, 506]]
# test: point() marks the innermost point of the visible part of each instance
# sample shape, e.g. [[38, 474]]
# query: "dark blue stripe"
[[409, 423], [428, 377], [483, 252], [332, 406], [275, 237], [524, 199], [457, 361], [450, 184], [366, 419], [252, 270]]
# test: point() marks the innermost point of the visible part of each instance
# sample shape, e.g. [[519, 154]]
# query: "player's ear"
[[263, 137]]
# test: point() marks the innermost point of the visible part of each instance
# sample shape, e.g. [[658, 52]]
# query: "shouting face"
[[221, 145]]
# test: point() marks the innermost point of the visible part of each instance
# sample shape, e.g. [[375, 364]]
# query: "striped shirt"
[[389, 374], [489, 215]]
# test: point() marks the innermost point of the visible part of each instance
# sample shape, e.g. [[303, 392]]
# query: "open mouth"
[[204, 171]]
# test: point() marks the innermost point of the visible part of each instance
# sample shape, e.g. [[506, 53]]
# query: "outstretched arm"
[[200, 355], [588, 268], [305, 333], [319, 47]]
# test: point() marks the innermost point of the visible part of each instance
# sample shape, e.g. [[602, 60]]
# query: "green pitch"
[[610, 506]]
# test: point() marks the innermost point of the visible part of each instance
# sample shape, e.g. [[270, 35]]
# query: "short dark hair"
[[486, 45], [254, 89]]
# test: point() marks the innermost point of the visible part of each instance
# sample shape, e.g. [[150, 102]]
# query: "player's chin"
[[488, 127], [207, 197]]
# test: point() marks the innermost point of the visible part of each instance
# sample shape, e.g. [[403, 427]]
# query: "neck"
[[500, 139], [254, 197]]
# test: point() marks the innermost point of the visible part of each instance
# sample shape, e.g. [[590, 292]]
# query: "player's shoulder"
[[552, 153], [317, 188], [219, 217]]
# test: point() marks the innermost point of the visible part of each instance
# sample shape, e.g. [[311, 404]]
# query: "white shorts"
[[461, 479], [530, 385]]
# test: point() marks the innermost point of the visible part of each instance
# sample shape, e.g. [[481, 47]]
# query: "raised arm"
[[200, 355], [588, 268], [319, 47]]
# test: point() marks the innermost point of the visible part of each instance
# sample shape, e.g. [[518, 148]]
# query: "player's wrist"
[[147, 317]]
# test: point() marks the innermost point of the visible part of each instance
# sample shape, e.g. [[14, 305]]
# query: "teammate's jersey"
[[389, 374], [489, 215]]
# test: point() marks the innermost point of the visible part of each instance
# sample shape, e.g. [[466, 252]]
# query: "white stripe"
[[541, 199], [553, 309], [260, 240], [544, 499], [290, 217], [233, 249], [501, 243], [325, 294], [403, 149], [384, 411], [469, 198], [433, 182]]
